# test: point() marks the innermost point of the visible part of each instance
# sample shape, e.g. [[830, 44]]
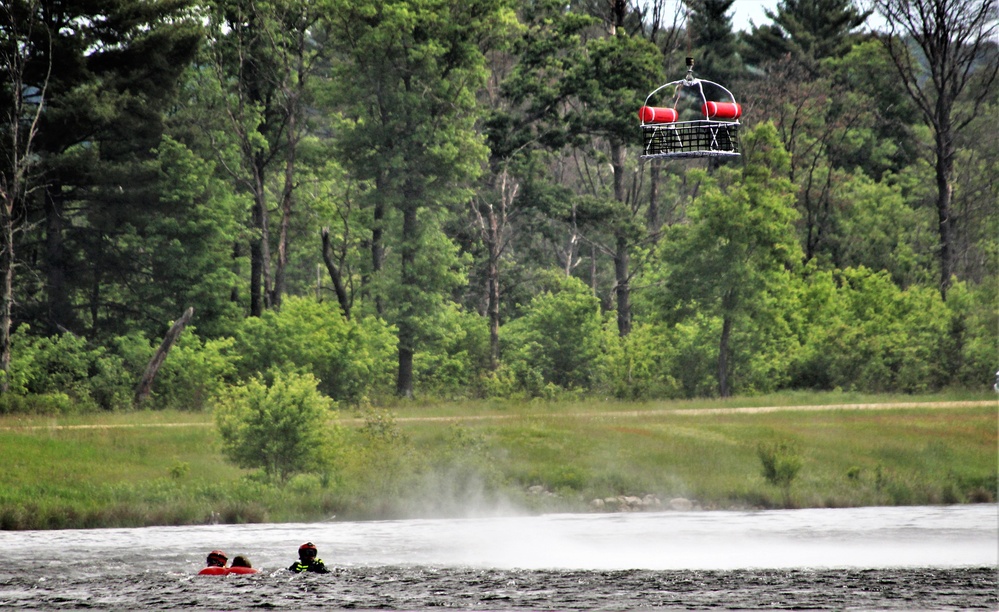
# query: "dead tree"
[[146, 383]]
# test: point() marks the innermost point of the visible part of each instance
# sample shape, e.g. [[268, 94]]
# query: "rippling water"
[[942, 557]]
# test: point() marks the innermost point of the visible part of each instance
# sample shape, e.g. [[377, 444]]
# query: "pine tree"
[[714, 49], [807, 31], [109, 79]]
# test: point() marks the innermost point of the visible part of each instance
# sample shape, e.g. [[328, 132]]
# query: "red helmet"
[[307, 550], [217, 558]]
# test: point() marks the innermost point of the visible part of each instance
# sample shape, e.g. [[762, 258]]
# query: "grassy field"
[[455, 459]]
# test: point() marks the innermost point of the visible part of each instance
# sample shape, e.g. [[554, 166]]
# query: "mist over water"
[[678, 559]]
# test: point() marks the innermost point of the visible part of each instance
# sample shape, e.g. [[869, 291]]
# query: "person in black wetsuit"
[[307, 561]]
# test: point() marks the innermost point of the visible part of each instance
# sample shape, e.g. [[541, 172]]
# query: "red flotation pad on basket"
[[722, 110], [656, 114], [243, 570]]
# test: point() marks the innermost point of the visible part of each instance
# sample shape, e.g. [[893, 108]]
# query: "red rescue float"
[[696, 125], [217, 565], [657, 114], [225, 571], [722, 110]]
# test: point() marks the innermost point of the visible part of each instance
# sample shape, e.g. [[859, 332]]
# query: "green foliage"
[[558, 339], [194, 372], [862, 332], [146, 202], [781, 461], [67, 365], [455, 351], [283, 428], [878, 230], [806, 30], [350, 358], [188, 244], [969, 348], [733, 259], [641, 364]]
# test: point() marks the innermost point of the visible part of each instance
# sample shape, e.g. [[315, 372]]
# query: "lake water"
[[939, 557]]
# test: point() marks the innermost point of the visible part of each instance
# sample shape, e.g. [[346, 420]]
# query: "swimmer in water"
[[216, 563], [241, 565], [307, 561]]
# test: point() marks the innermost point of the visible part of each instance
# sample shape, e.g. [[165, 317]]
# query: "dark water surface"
[[867, 558]]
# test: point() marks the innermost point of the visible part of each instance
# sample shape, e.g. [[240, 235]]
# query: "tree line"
[[446, 197]]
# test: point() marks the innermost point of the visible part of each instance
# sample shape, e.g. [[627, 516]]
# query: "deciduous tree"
[[944, 53], [409, 79], [732, 259]]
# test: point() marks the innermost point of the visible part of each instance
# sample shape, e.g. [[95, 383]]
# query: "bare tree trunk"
[[623, 289], [287, 204], [410, 282], [60, 314], [728, 305], [22, 129], [945, 195], [259, 248], [723, 355], [7, 290], [622, 275], [377, 240], [652, 214], [146, 383], [334, 272], [492, 223]]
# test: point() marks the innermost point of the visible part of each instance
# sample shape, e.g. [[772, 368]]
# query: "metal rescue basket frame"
[[716, 135]]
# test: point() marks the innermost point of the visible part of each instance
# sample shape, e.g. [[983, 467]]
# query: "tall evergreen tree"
[[618, 72], [709, 27], [111, 69], [807, 31]]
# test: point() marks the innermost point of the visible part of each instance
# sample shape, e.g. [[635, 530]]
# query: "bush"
[[350, 358], [639, 366], [283, 428], [65, 365], [194, 372], [863, 333], [559, 339], [450, 359], [781, 464]]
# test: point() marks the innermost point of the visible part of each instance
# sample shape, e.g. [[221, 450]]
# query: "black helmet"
[[217, 558]]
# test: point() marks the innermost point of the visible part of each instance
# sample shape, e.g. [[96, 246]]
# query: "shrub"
[[92, 377], [559, 337], [194, 372], [781, 464], [449, 359], [350, 358], [864, 333], [283, 428], [640, 365]]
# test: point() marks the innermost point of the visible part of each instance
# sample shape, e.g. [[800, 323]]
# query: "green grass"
[[139, 468]]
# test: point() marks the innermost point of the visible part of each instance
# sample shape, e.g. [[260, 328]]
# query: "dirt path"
[[599, 414]]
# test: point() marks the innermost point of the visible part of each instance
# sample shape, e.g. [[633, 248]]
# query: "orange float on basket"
[[722, 110], [657, 114]]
